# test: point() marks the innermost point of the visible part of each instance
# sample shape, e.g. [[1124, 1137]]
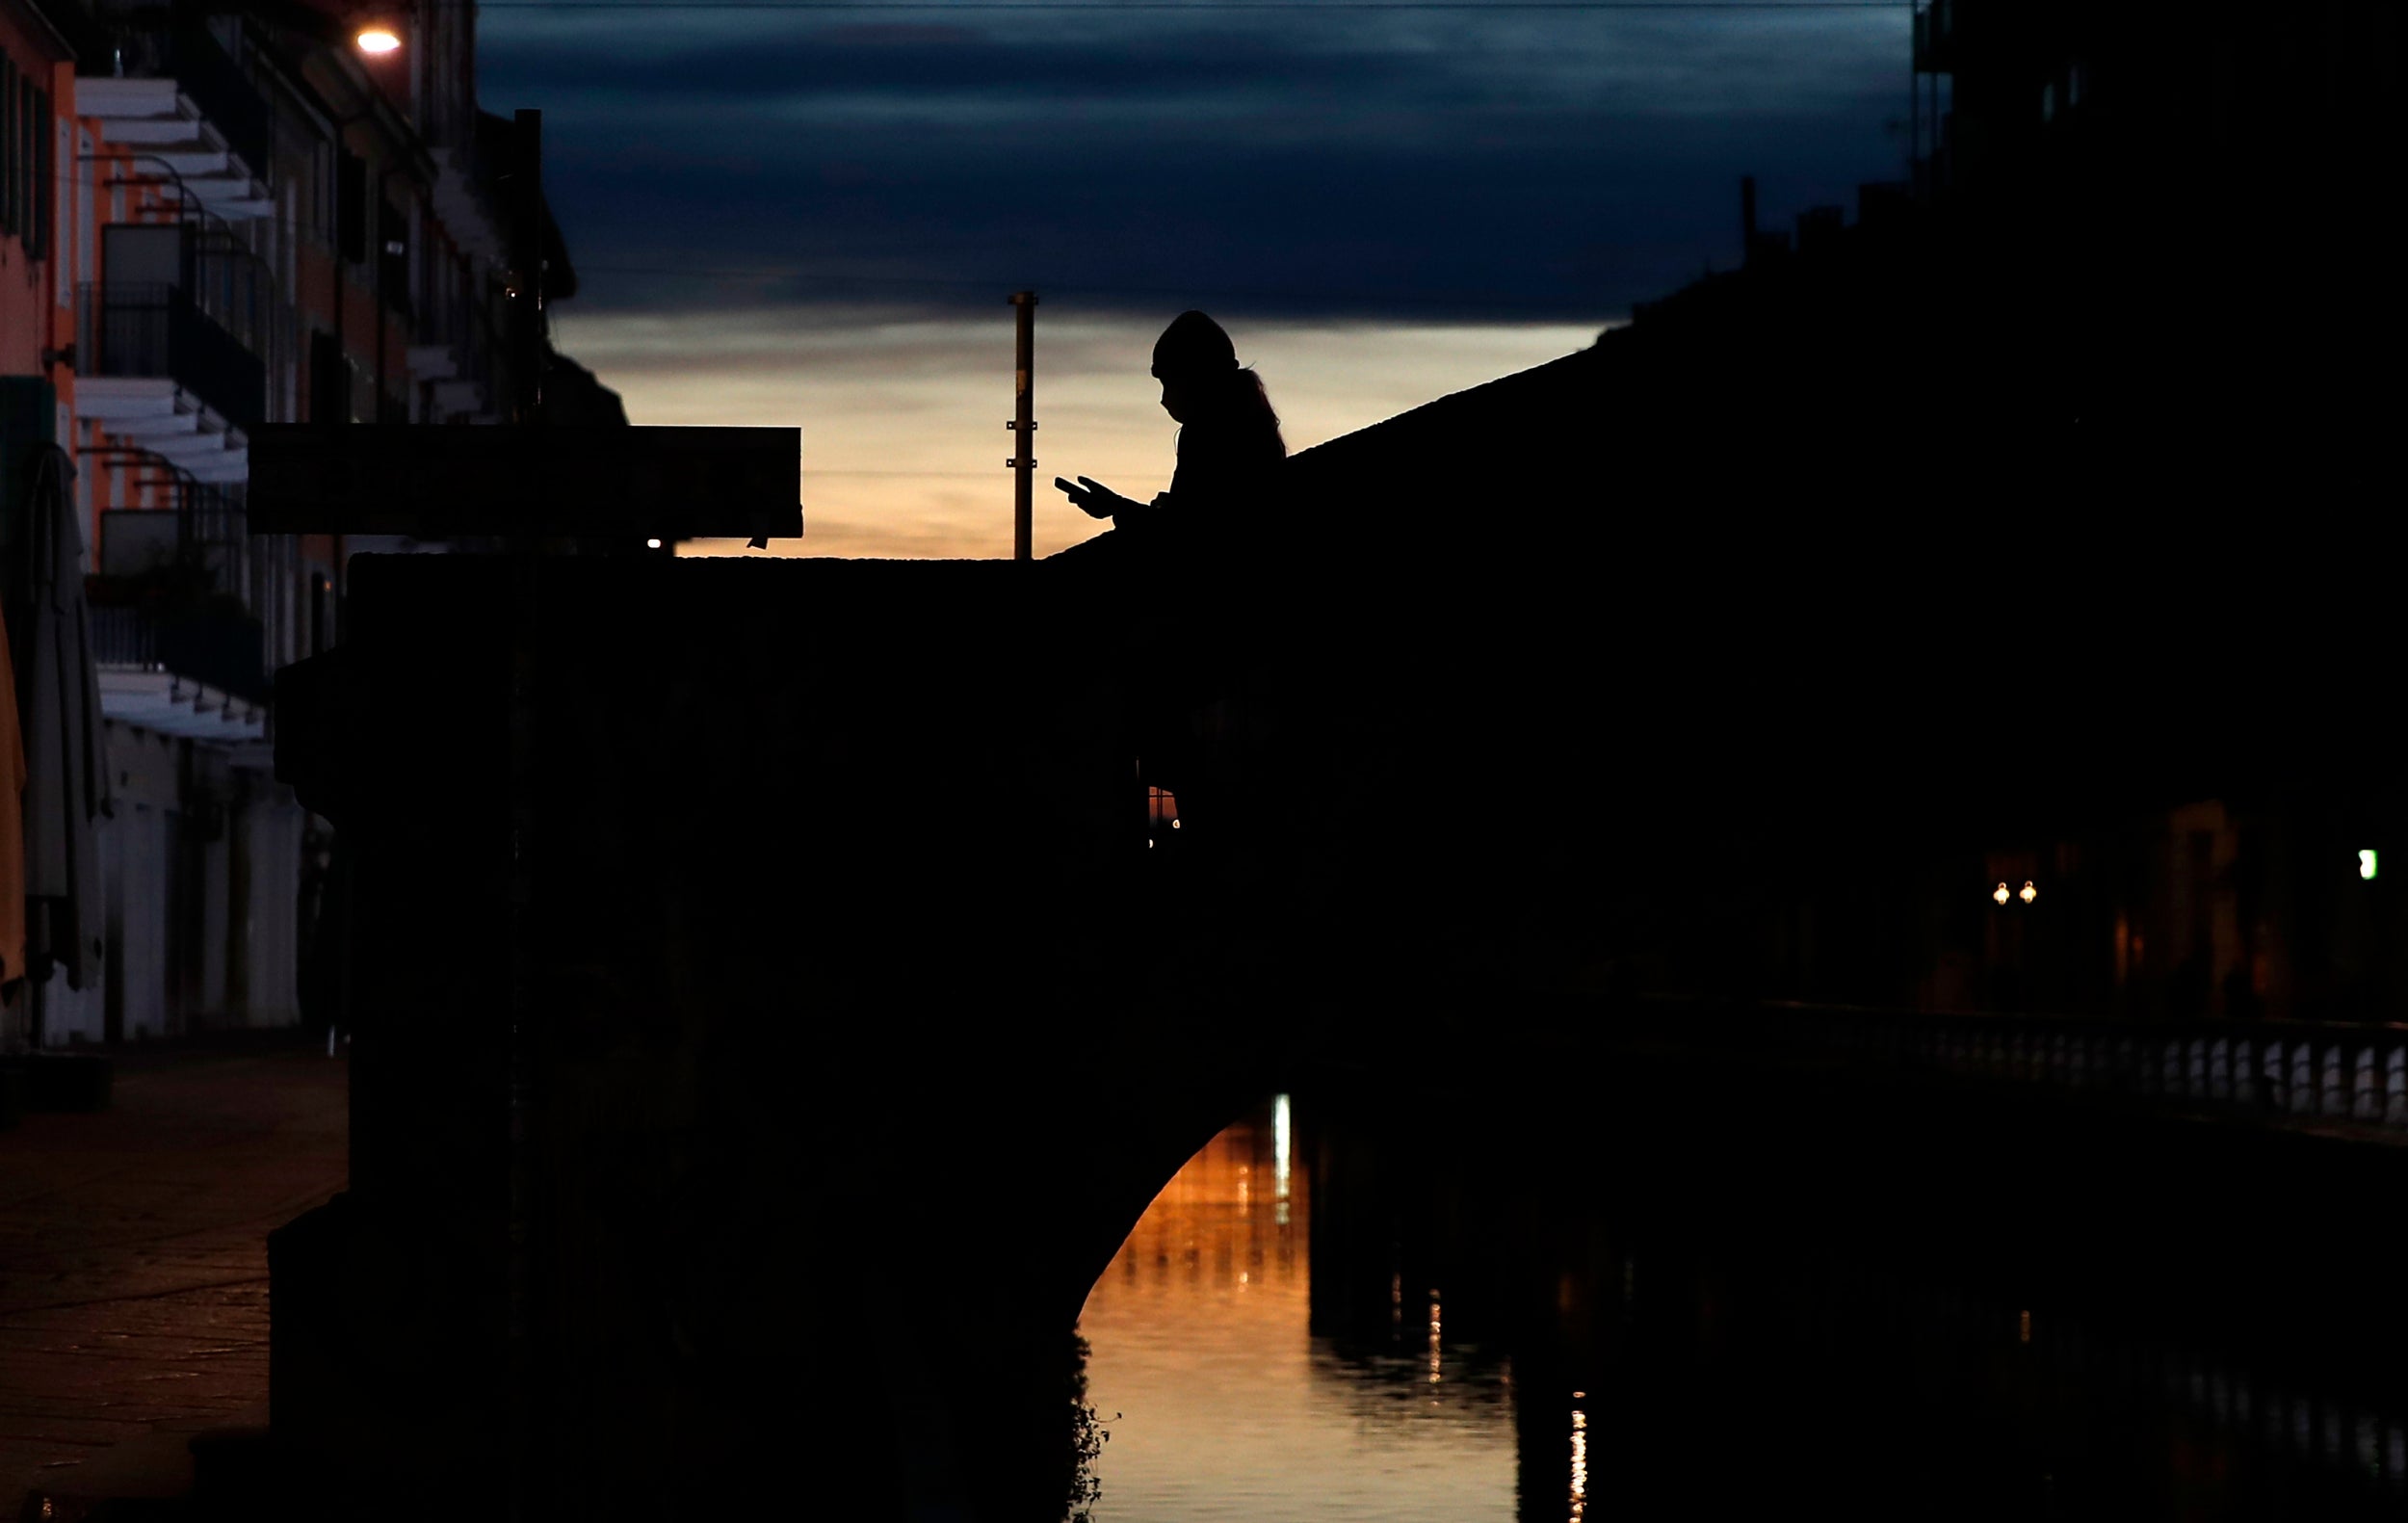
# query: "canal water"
[[1335, 1317], [1220, 1402]]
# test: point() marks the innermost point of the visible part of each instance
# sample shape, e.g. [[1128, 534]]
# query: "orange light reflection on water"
[[1230, 1409]]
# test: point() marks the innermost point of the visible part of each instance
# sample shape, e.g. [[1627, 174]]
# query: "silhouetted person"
[[1180, 555], [1229, 447]]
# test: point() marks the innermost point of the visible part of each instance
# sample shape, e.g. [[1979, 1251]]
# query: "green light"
[[2366, 865]]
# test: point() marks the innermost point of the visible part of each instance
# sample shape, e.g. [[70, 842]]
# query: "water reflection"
[[1231, 1407], [1579, 1461], [1402, 1328], [1436, 1356]]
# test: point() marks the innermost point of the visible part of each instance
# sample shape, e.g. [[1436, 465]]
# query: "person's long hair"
[[1248, 407], [1198, 348]]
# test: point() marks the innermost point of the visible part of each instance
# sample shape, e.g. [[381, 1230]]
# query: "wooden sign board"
[[435, 482]]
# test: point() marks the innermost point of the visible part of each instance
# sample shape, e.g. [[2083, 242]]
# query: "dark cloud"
[[949, 66], [1301, 169], [895, 34]]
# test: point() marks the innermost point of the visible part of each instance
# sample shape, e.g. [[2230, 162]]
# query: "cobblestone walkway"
[[133, 1250]]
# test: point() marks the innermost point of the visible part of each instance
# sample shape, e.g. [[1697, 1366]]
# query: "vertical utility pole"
[[1023, 421], [527, 209]]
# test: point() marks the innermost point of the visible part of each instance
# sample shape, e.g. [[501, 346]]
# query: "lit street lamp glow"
[[2028, 892], [1999, 894], [2366, 864], [378, 40]]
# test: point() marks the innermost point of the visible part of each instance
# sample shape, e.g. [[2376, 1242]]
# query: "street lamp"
[[374, 27], [1999, 894], [2027, 893]]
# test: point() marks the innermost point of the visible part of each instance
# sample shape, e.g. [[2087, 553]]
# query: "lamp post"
[[376, 39]]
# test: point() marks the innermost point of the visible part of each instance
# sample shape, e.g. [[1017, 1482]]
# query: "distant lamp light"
[[1174, 824], [652, 544], [379, 39], [2366, 864], [2027, 893], [1999, 894]]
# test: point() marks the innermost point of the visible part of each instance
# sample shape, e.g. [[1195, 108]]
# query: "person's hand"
[[1093, 498]]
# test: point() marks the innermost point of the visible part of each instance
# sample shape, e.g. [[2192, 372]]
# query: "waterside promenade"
[[132, 1250]]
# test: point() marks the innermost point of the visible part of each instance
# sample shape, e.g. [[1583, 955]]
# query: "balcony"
[[157, 371], [184, 106], [199, 546], [212, 648], [178, 648], [145, 662]]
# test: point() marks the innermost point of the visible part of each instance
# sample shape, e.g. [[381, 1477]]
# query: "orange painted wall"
[[26, 277]]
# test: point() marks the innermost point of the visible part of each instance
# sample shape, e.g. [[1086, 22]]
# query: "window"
[[62, 202], [8, 144], [80, 173], [24, 167], [37, 173]]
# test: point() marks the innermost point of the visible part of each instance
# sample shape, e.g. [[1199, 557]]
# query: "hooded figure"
[[1182, 565], [1229, 449], [1229, 446]]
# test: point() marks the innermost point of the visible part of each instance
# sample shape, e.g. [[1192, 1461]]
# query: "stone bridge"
[[717, 928]]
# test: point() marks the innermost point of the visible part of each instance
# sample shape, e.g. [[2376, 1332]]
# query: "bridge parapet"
[[2347, 1078]]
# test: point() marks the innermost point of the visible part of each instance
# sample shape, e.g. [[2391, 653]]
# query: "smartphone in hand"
[[1094, 497]]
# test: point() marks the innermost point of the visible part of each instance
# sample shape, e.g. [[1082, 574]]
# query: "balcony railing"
[[205, 529], [124, 640], [233, 288], [156, 330], [2327, 1073], [217, 647], [185, 52]]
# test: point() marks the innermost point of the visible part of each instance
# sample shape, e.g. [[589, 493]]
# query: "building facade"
[[216, 216]]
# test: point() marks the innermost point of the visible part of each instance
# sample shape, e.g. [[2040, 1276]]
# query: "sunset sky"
[[798, 213]]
